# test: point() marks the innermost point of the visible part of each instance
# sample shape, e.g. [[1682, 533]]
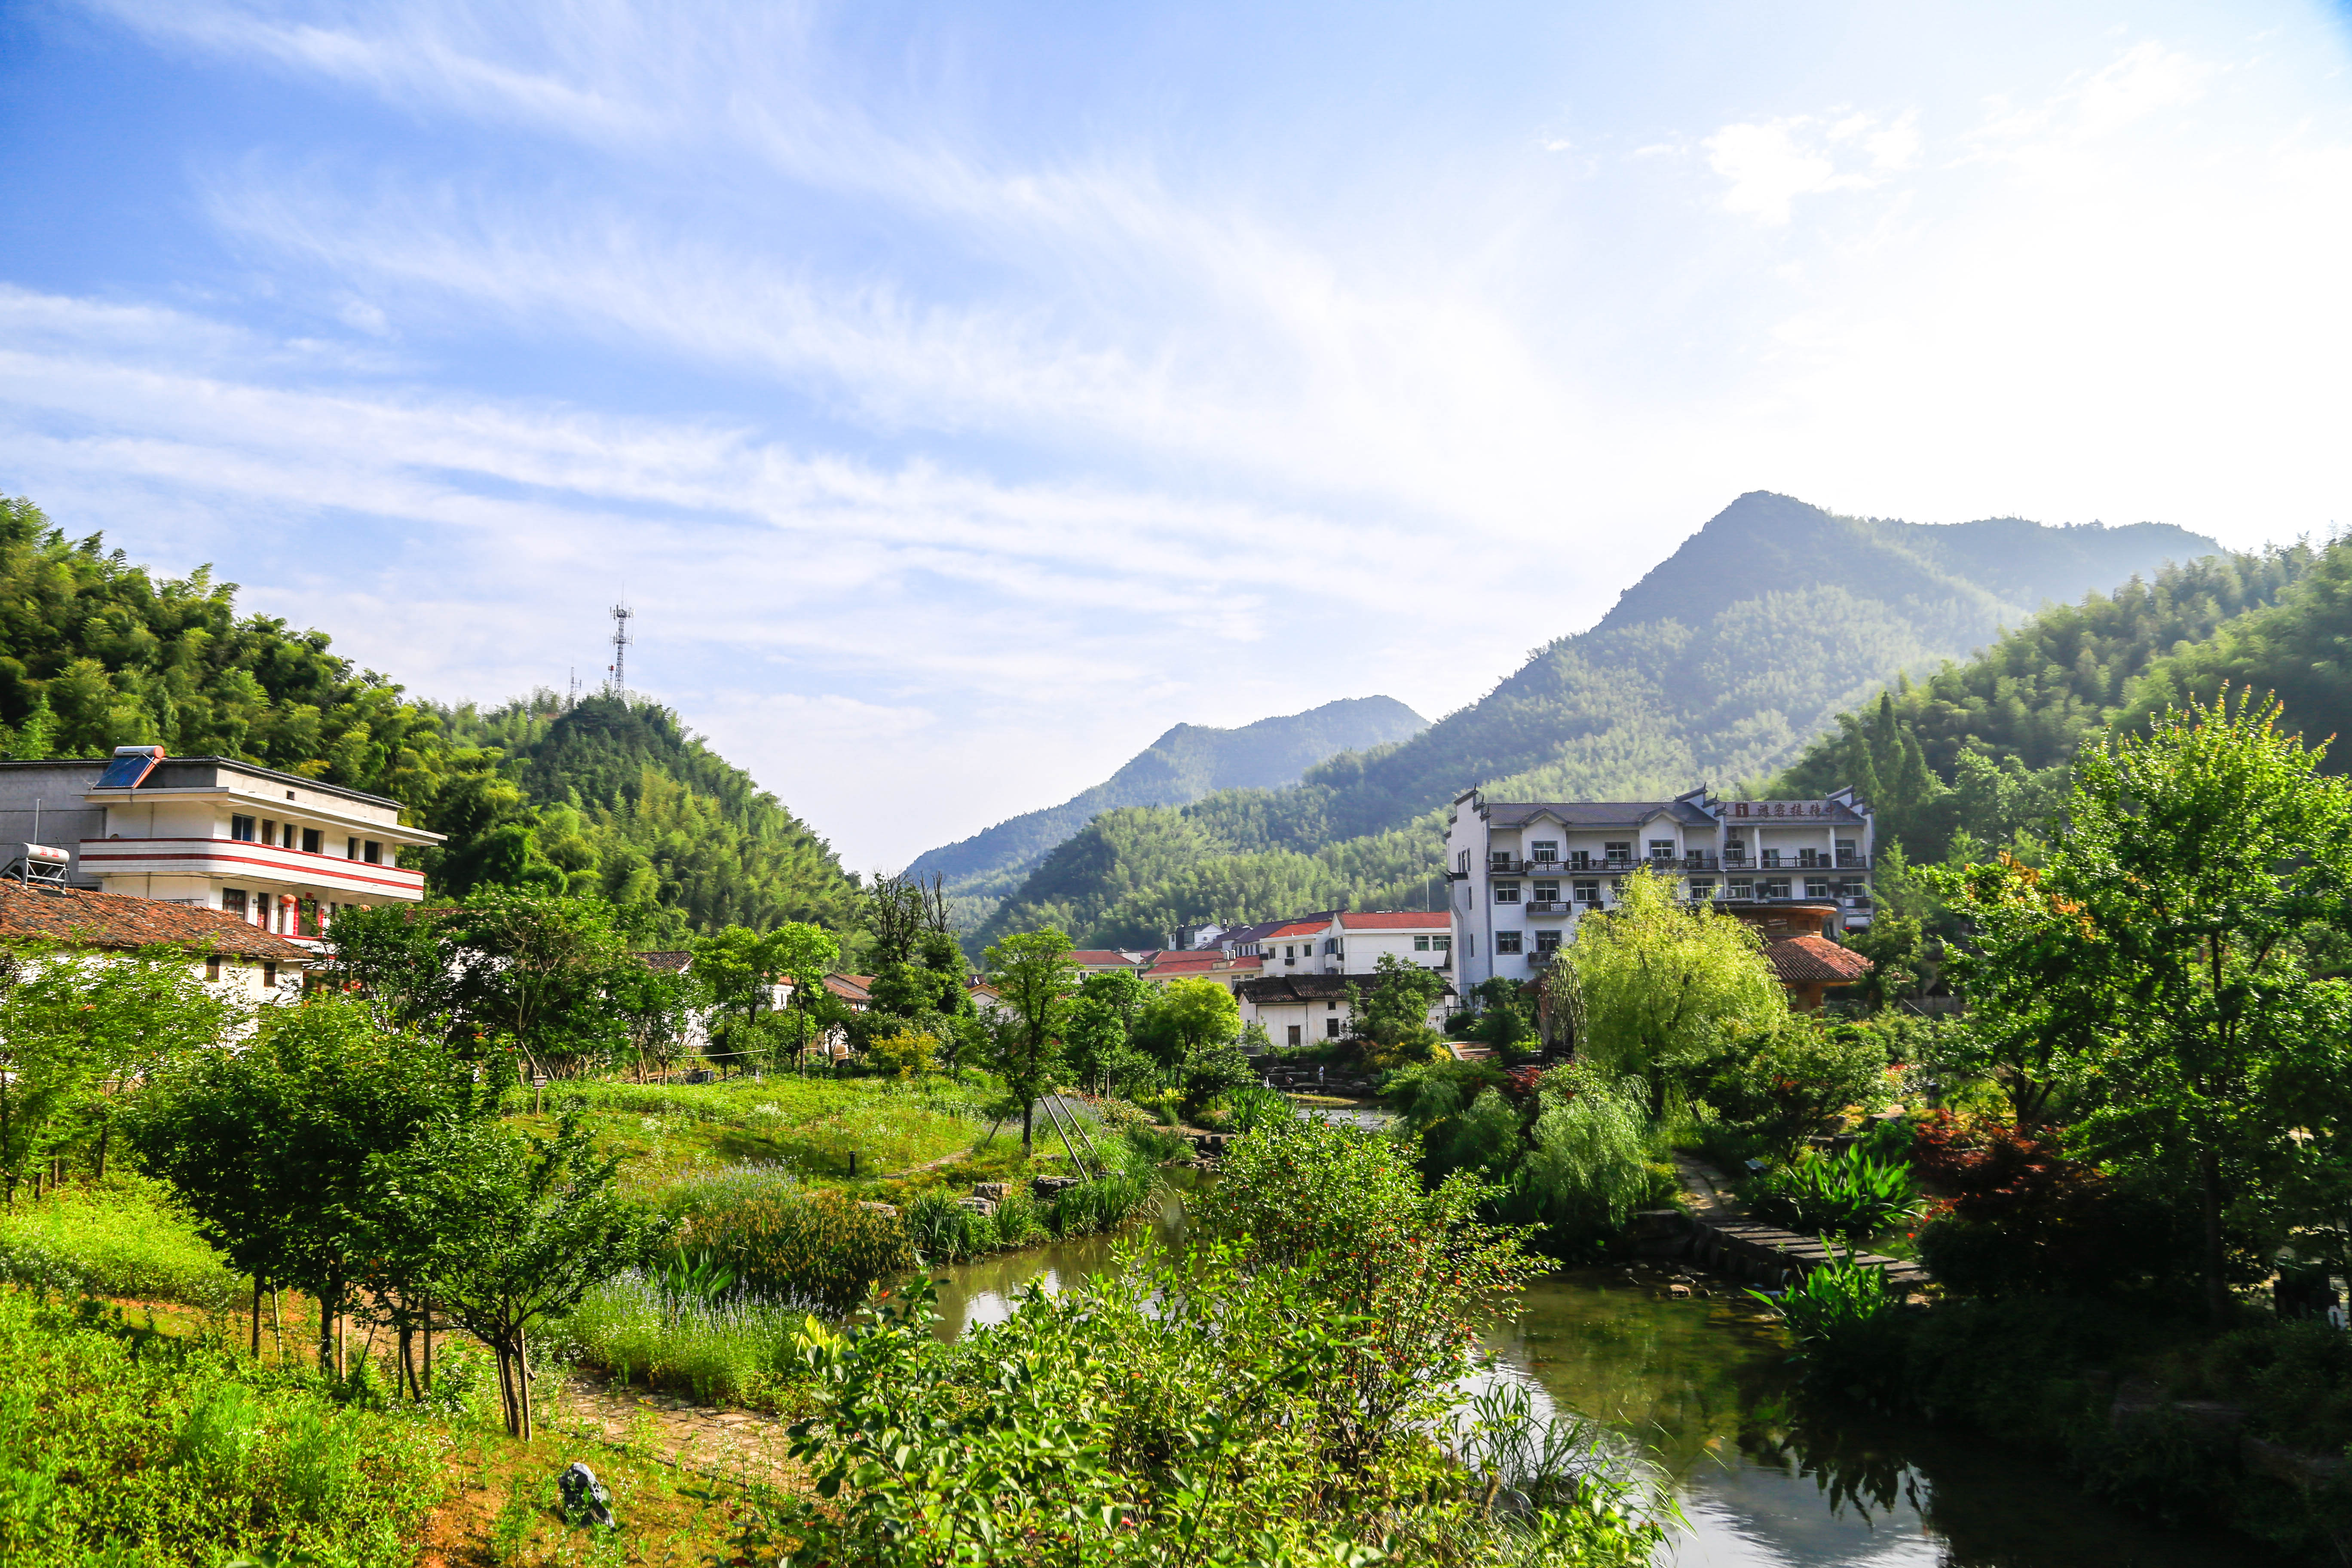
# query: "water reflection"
[[1702, 1390]]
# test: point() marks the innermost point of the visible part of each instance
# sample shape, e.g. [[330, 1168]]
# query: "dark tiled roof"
[[1276, 989], [666, 962], [1814, 960], [1595, 813], [76, 916]]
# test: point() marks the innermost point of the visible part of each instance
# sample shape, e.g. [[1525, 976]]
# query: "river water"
[[1702, 1390]]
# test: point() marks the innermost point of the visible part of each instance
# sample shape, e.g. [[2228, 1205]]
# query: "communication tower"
[[619, 684]]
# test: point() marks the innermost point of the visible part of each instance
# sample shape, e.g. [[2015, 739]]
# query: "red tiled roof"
[[76, 916], [850, 987], [1296, 929], [1406, 920], [1104, 956], [1814, 960]]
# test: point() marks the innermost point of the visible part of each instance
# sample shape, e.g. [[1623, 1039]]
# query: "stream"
[[1704, 1390]]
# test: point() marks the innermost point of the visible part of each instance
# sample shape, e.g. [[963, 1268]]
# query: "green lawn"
[[808, 1127]]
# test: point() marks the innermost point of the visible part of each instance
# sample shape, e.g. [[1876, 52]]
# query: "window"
[[1420, 945], [1507, 892], [311, 841], [1332, 945], [1505, 942], [1330, 1006], [212, 969], [1577, 859], [1546, 892], [1587, 892], [1546, 942], [1816, 888], [1740, 889], [1622, 851], [1294, 1038], [1461, 862], [350, 849], [241, 829], [1547, 849], [1330, 1029], [1470, 944], [1662, 849], [268, 976], [1702, 888], [372, 852], [1771, 856], [269, 832], [1773, 888], [1735, 848], [1442, 943], [1499, 860], [1848, 851]]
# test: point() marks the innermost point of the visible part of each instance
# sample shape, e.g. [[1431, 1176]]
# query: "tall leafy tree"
[[536, 969], [79, 1032], [1186, 1017], [1034, 976], [2170, 917], [271, 1145]]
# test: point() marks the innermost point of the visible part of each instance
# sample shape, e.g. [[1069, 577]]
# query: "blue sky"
[[962, 394]]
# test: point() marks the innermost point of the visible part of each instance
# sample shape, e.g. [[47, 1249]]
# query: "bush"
[[125, 1236], [824, 1249], [1841, 1315], [2021, 1217], [127, 1444], [1849, 1195], [1782, 1087]]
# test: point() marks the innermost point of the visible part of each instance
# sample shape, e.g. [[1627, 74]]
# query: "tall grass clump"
[[823, 1249], [1851, 1194], [727, 1346], [942, 1230], [120, 1445]]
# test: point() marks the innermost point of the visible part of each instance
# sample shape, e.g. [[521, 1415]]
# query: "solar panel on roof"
[[131, 766]]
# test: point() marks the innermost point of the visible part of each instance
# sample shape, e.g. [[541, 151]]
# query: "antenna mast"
[[619, 685]]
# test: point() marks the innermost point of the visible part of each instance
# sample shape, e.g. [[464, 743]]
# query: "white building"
[[237, 962], [1309, 964], [1523, 873], [276, 851]]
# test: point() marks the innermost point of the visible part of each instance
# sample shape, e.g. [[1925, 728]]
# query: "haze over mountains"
[[1716, 668], [1187, 761]]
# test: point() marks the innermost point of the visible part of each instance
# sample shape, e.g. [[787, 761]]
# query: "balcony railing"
[[1548, 907]]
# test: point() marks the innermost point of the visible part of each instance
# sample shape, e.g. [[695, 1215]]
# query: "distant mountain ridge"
[[1716, 668], [1187, 761]]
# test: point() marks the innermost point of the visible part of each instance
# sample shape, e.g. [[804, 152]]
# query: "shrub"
[[1782, 1086], [126, 1236], [730, 1346], [2021, 1217], [119, 1443], [823, 1248], [1849, 1195]]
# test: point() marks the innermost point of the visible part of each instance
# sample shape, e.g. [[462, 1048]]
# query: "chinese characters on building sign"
[[1753, 808]]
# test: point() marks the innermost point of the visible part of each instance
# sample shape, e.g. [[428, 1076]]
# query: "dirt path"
[[733, 1443]]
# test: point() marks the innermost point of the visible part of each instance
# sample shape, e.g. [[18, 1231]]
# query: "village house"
[[242, 962], [1522, 873], [277, 851]]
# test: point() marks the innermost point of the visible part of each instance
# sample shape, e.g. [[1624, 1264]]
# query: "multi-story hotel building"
[[1523, 873], [276, 851]]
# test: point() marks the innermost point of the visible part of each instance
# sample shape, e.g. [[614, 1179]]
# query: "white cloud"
[[1770, 164]]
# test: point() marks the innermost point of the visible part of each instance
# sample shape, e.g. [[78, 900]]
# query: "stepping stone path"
[[1721, 1236]]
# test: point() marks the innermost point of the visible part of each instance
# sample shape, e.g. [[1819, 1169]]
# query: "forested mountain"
[[1188, 762], [1715, 668], [1986, 747], [607, 797]]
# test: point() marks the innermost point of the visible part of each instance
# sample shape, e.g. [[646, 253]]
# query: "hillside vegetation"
[[609, 797], [1987, 746], [1187, 762], [1717, 667]]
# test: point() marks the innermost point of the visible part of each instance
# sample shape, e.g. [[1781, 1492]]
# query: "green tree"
[[1034, 979], [1102, 1025], [271, 1145], [508, 1230], [1783, 1083], [2193, 858], [801, 955], [79, 1032], [537, 969], [1186, 1015], [1655, 987]]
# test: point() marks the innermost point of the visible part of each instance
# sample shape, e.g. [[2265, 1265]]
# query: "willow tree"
[[1655, 986]]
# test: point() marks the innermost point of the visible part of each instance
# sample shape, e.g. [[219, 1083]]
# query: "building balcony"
[[243, 863], [1548, 907]]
